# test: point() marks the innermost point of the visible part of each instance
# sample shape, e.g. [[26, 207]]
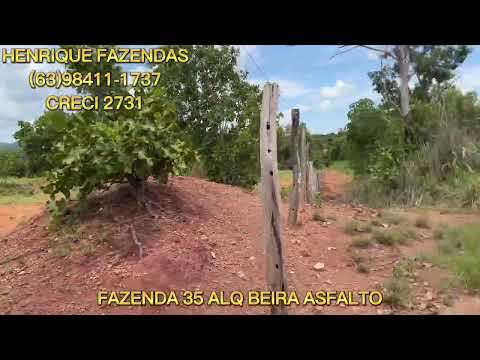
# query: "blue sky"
[[323, 88]]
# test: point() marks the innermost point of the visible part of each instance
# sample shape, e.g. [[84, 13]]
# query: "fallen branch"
[[21, 256], [135, 240], [385, 264]]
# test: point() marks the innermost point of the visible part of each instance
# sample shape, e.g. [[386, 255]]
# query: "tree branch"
[[343, 52], [384, 52]]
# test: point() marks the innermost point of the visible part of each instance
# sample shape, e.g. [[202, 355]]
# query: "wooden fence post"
[[319, 183], [308, 178], [271, 194], [310, 182], [296, 170], [303, 166], [312, 186]]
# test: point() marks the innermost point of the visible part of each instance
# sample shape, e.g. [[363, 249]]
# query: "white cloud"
[[246, 53], [469, 78], [291, 89], [340, 89], [325, 105], [373, 55]]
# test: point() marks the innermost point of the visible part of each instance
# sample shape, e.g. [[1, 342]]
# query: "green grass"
[[356, 256], [21, 190], [363, 269], [362, 243], [354, 227], [285, 175], [394, 237], [342, 166], [317, 217], [459, 251], [285, 193], [392, 218], [397, 289]]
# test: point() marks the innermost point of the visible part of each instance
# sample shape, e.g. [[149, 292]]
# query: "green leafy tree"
[[125, 148], [370, 129], [430, 64], [91, 150], [216, 107], [37, 140]]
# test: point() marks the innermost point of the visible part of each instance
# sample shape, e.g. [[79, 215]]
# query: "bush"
[[423, 222], [460, 251], [98, 151], [362, 243], [442, 164], [13, 163]]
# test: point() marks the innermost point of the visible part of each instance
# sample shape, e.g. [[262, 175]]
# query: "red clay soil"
[[13, 215], [207, 237], [334, 183]]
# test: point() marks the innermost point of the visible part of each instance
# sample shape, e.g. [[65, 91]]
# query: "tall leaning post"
[[296, 169], [303, 165], [270, 190], [308, 177]]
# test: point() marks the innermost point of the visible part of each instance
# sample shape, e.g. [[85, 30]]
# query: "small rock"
[[234, 243], [329, 282], [427, 265], [291, 272], [429, 296], [21, 273], [90, 237], [319, 266], [425, 283], [383, 312], [203, 237], [331, 248], [318, 309], [304, 253], [328, 223], [213, 255], [251, 258], [385, 226], [241, 275]]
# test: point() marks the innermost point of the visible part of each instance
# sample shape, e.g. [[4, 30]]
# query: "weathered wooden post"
[[303, 165], [308, 177], [312, 186], [271, 194], [296, 170]]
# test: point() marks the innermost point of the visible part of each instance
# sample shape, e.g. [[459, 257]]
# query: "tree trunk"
[[403, 58]]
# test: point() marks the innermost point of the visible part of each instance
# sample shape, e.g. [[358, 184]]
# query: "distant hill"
[[8, 146]]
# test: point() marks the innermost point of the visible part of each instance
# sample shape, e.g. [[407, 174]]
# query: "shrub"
[[362, 243], [100, 150], [423, 222]]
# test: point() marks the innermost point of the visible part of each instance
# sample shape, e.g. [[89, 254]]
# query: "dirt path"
[[208, 237], [334, 183], [13, 215]]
